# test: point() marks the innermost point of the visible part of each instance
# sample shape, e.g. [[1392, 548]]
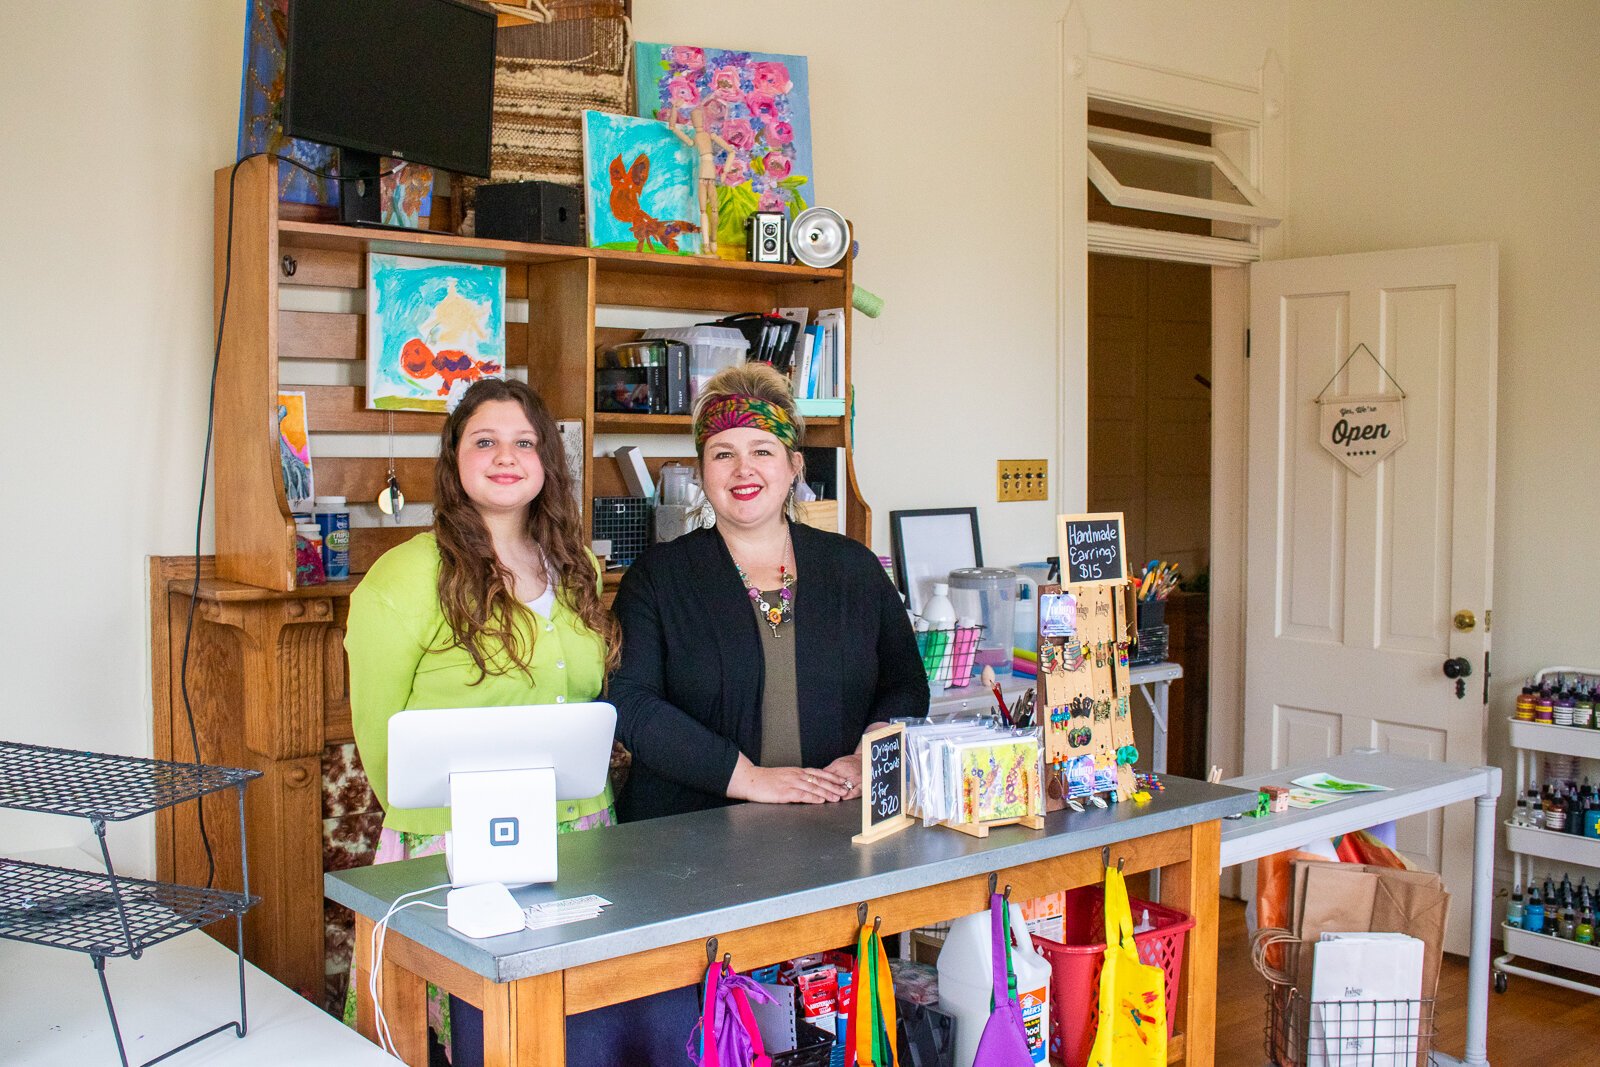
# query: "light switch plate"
[[1022, 479]]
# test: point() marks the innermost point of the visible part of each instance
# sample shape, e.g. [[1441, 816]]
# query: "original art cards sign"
[[433, 328], [883, 785], [1362, 431]]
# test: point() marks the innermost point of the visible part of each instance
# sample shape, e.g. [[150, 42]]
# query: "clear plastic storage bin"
[[711, 348]]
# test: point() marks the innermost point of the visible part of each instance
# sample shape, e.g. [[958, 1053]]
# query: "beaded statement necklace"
[[774, 615]]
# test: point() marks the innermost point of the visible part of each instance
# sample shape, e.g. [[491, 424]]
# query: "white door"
[[1353, 581]]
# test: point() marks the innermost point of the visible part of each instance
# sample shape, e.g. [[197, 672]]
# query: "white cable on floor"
[[374, 983]]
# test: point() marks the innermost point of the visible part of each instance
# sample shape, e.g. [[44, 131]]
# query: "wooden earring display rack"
[[1084, 678]]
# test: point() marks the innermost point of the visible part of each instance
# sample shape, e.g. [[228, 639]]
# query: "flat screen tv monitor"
[[412, 79]]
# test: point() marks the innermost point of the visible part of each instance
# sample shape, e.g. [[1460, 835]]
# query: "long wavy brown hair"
[[474, 587]]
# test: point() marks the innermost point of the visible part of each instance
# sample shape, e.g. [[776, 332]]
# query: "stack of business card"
[[561, 912]]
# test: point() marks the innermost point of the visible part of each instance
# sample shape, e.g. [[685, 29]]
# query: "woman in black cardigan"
[[755, 654]]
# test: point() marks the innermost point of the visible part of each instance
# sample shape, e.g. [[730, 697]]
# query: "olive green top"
[[780, 708]]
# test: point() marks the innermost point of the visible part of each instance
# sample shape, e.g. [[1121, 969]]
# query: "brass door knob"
[[1465, 621]]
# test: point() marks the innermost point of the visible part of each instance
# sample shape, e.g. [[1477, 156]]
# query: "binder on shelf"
[[677, 359], [832, 322]]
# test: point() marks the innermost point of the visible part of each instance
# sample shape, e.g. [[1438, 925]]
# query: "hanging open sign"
[[1362, 431]]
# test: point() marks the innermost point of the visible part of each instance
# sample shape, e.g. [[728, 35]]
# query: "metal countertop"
[[693, 876]]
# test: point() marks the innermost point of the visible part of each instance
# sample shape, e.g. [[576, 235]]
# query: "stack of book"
[[818, 366], [643, 377]]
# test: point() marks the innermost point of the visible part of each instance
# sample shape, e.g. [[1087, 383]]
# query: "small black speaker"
[[535, 212]]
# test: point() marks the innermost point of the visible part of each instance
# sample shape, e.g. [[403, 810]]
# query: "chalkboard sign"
[[1092, 551], [883, 787]]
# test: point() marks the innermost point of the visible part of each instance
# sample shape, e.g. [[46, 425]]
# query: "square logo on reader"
[[503, 832]]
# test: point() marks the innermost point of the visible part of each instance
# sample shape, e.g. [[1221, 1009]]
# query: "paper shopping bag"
[[1336, 898]]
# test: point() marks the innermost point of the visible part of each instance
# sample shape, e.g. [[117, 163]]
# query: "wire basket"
[[625, 522], [1151, 646], [1347, 1033], [813, 1048], [947, 654]]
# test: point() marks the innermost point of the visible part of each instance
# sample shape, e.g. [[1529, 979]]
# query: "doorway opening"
[[1149, 434]]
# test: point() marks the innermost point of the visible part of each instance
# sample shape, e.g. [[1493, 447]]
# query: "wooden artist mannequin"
[[704, 142]]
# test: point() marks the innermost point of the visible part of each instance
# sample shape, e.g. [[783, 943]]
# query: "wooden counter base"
[[523, 1020]]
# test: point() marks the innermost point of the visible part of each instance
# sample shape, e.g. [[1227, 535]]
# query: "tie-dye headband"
[[730, 412]]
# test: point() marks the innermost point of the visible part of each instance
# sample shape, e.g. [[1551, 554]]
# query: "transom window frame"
[[1256, 211]]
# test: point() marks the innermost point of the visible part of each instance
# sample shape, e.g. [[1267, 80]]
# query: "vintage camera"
[[767, 237]]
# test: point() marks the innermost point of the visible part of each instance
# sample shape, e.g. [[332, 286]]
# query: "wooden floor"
[[1531, 1024]]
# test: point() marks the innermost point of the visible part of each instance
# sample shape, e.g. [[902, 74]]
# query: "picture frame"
[[927, 544]]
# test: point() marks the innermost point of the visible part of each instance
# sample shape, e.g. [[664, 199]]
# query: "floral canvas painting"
[[757, 108], [294, 450], [433, 328], [639, 186]]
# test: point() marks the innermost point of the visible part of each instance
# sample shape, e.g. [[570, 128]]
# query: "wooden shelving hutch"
[[269, 683], [563, 286]]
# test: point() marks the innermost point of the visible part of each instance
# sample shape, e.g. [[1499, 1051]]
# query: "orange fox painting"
[[639, 190]]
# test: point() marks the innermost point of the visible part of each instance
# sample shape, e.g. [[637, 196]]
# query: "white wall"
[[1442, 122], [112, 117], [933, 126]]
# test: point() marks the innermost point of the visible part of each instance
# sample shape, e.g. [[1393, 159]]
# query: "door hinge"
[[1247, 344]]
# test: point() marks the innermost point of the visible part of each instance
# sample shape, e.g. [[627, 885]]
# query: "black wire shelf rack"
[[94, 785], [102, 913], [86, 911]]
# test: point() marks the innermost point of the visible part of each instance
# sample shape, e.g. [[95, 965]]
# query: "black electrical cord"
[[205, 468]]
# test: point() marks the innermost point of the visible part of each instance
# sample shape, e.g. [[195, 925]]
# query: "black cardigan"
[[689, 690]]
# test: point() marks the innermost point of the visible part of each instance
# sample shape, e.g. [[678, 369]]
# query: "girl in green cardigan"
[[498, 605]]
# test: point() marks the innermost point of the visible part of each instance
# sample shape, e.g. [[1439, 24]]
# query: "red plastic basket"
[[1075, 966]]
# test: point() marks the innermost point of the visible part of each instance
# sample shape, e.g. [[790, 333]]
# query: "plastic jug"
[[966, 985], [1025, 614], [988, 594]]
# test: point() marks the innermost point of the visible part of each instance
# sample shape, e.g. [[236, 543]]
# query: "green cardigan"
[[394, 640]]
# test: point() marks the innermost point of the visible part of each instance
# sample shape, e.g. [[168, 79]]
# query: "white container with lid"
[[711, 348]]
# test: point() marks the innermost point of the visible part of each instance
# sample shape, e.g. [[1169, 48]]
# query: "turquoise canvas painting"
[[433, 328], [755, 111], [639, 186]]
